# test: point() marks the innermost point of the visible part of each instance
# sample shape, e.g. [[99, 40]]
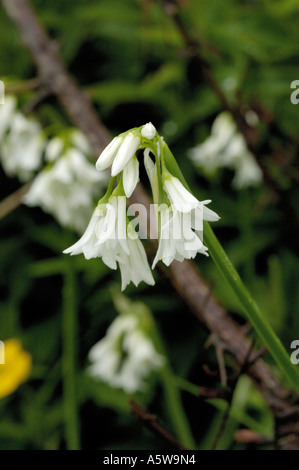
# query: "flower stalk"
[[252, 310]]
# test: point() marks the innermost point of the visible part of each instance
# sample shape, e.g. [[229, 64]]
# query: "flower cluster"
[[179, 215], [126, 356], [22, 142], [63, 181], [226, 147], [67, 185]]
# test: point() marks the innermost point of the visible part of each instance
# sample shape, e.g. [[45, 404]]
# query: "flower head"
[[109, 236], [126, 356], [22, 145], [180, 222], [67, 186], [181, 199], [226, 148]]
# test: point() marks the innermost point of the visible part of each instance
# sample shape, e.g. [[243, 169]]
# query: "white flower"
[[183, 201], [177, 240], [179, 196], [66, 187], [22, 147], [101, 238], [226, 147], [248, 173], [88, 242], [181, 222], [126, 356], [111, 238], [134, 264], [148, 131]]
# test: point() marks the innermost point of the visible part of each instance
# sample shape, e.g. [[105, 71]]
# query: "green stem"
[[69, 339], [173, 399], [175, 408], [255, 316]]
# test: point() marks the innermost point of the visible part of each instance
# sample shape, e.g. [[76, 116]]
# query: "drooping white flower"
[[66, 187], [180, 198], [226, 147], [134, 264], [247, 173], [87, 244], [183, 201], [110, 237], [180, 225], [126, 356], [177, 240], [101, 238], [22, 147], [181, 222]]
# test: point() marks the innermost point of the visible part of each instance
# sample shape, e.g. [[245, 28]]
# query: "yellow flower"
[[16, 367]]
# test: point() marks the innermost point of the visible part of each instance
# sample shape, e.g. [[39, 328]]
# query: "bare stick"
[[12, 202], [151, 422]]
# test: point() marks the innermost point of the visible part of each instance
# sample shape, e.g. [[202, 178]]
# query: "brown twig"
[[12, 202], [151, 422], [244, 366], [246, 436], [18, 88], [184, 277]]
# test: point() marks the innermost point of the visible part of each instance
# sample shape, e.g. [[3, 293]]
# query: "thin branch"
[[243, 368], [21, 87], [13, 201], [246, 436], [151, 422]]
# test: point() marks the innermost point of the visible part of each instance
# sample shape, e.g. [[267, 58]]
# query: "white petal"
[[107, 156], [208, 214], [135, 267], [126, 151], [131, 176], [179, 196], [87, 243]]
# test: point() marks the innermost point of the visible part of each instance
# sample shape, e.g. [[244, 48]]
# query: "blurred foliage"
[[128, 56]]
